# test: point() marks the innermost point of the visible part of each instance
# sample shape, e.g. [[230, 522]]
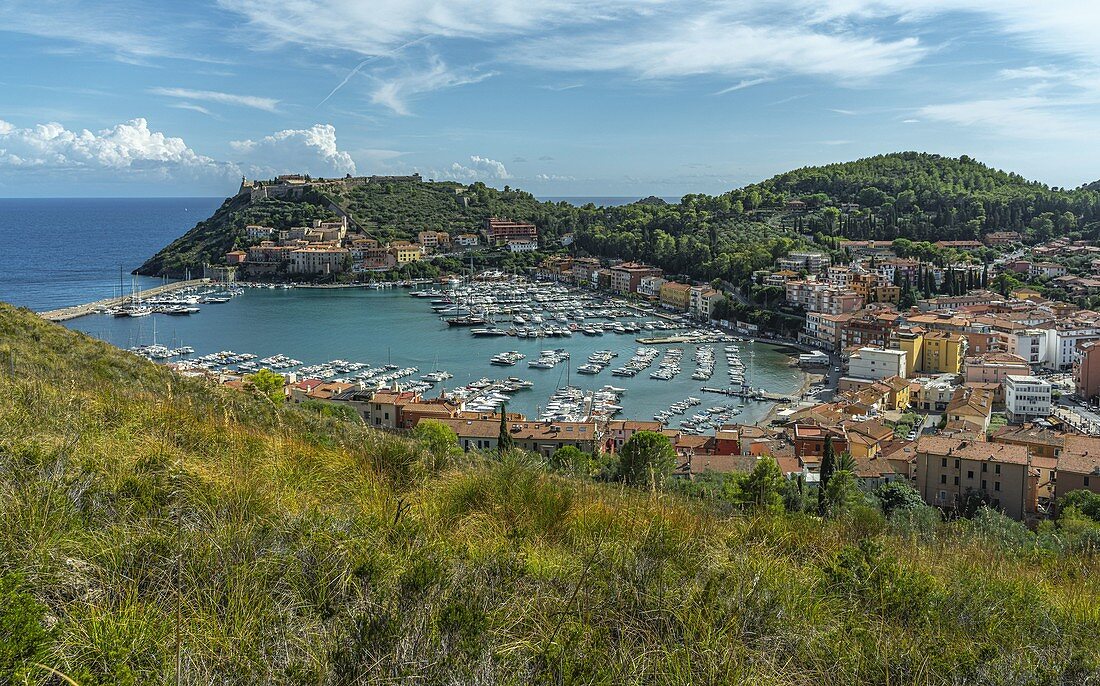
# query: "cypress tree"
[[504, 440], [828, 463]]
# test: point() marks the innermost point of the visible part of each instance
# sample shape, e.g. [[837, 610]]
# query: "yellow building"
[[899, 397], [944, 352], [405, 253], [885, 294], [912, 342], [676, 295], [932, 352]]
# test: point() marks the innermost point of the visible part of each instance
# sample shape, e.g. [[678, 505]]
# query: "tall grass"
[[301, 549]]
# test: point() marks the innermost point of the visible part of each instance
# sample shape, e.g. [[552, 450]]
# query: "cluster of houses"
[[1021, 468], [328, 247], [632, 278]]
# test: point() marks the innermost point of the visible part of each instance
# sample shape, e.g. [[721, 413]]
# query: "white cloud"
[[309, 151], [129, 148], [479, 169], [193, 107], [132, 152], [554, 177], [259, 103], [396, 92], [377, 27], [720, 43], [104, 28], [1027, 117]]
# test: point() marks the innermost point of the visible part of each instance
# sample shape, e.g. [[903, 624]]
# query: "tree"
[[841, 493], [763, 487], [648, 457], [896, 496], [269, 383], [828, 463], [571, 460], [504, 438], [440, 439]]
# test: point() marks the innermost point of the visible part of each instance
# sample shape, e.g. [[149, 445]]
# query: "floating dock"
[[66, 313]]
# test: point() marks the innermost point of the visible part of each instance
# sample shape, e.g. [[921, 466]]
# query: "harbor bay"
[[389, 329]]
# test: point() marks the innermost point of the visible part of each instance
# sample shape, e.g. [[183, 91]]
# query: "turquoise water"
[[380, 327]]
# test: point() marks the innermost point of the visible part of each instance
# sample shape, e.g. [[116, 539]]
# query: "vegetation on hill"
[[399, 210], [212, 238], [152, 521], [915, 196], [929, 197]]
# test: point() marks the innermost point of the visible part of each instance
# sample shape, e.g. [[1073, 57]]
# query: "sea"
[[60, 252]]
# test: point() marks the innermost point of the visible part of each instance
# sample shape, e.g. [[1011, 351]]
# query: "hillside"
[[145, 513], [385, 211], [223, 231], [910, 195], [929, 197]]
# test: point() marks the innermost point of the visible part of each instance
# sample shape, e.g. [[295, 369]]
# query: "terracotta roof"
[[1081, 455], [972, 450]]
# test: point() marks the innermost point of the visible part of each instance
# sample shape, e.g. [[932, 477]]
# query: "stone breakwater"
[[66, 313]]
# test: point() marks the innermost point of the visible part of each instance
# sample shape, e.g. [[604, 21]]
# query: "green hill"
[[929, 197], [151, 521], [910, 195]]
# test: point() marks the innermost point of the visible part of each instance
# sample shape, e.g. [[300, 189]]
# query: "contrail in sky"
[[362, 64]]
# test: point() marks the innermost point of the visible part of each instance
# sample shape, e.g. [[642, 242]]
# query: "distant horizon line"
[[207, 197]]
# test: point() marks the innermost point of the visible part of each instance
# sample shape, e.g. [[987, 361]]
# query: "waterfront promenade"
[[66, 313]]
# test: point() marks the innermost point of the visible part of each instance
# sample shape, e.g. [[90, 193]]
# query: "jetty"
[[66, 313]]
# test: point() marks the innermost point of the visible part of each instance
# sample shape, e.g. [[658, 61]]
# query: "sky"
[[558, 97]]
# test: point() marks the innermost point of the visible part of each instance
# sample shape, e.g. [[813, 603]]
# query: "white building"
[[812, 262], [523, 245], [1062, 343], [650, 286], [255, 232], [1026, 398], [876, 363], [466, 240], [1030, 345]]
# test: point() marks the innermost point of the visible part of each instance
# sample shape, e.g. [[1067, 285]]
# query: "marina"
[[395, 337]]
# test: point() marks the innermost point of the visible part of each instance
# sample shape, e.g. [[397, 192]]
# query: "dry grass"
[[125, 491]]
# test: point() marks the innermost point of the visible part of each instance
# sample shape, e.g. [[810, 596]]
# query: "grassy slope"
[[297, 568]]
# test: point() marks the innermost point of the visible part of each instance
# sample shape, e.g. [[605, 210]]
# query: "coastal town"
[[929, 373]]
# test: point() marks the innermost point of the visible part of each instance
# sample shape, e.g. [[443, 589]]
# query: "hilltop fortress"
[[294, 186]]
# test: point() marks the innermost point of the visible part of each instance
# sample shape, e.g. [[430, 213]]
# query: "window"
[[985, 467], [984, 486], [943, 462], [970, 474], [943, 478], [956, 463], [996, 485], [956, 481], [996, 469], [1086, 481]]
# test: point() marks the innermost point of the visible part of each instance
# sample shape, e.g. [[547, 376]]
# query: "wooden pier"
[[66, 313]]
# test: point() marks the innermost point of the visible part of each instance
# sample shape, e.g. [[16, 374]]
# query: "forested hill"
[[924, 196], [912, 195]]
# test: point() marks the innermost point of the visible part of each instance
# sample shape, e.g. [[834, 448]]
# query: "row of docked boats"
[[508, 358], [669, 366], [643, 358], [572, 404], [488, 395], [704, 361], [597, 362], [548, 359]]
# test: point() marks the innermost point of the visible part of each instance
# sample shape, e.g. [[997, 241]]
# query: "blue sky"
[[560, 97]]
